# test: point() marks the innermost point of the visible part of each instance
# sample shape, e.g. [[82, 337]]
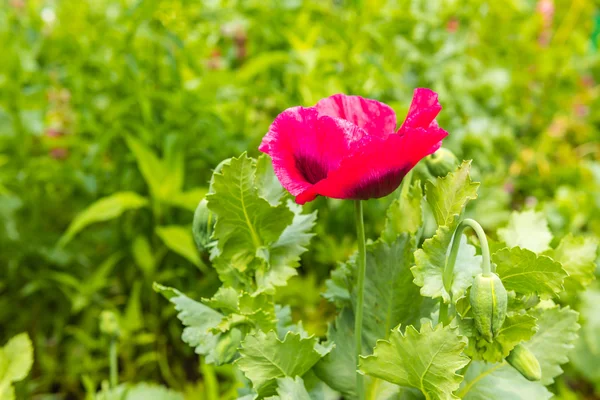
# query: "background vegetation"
[[113, 114]]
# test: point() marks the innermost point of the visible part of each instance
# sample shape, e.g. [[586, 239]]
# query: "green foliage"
[[528, 230], [103, 210], [426, 360], [499, 381], [16, 359], [264, 358], [113, 115], [525, 272]]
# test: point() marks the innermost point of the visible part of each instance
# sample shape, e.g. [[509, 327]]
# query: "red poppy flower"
[[347, 147]]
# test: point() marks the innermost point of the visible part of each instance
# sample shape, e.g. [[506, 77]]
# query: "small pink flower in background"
[[347, 147], [546, 9], [59, 153], [452, 25]]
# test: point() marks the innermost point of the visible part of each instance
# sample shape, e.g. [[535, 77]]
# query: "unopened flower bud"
[[109, 325], [203, 225], [441, 162], [489, 301], [525, 362]]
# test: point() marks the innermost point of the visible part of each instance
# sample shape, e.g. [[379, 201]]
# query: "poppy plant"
[[347, 147]]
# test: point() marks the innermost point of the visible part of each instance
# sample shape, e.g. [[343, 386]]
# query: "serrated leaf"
[[390, 296], [448, 196], [267, 183], [264, 358], [525, 272], [140, 391], [556, 335], [430, 262], [584, 357], [517, 328], [338, 368], [291, 389], [405, 214], [198, 320], [578, 258], [180, 240], [426, 360], [104, 209], [527, 229], [284, 254], [244, 218], [248, 226], [485, 381], [16, 359]]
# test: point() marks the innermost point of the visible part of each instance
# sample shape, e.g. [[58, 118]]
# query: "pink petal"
[[377, 169], [376, 118], [423, 110], [305, 146]]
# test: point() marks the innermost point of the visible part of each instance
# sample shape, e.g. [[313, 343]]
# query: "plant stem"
[[451, 260], [448, 276], [114, 365], [362, 266]]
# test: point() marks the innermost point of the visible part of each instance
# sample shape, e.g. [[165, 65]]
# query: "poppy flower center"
[[311, 169]]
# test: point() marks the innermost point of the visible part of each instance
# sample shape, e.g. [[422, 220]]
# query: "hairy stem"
[[362, 265]]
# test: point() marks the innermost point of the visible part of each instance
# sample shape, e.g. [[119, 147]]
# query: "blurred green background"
[[113, 114]]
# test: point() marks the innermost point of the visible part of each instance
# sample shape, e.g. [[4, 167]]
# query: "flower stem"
[[448, 276], [451, 260], [114, 365], [362, 266]]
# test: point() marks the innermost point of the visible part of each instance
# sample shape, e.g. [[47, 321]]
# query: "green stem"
[[362, 266], [114, 365], [451, 260], [443, 317]]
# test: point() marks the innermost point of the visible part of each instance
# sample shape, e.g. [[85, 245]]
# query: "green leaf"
[[499, 382], [527, 229], [449, 196], [143, 255], [180, 240], [258, 243], [430, 262], [426, 360], [156, 174], [578, 258], [586, 353], [140, 391], [525, 272], [245, 219], [405, 214], [104, 209], [16, 359], [198, 320], [291, 389], [390, 297], [338, 368], [556, 335], [517, 328], [264, 358], [186, 200], [268, 185], [284, 254]]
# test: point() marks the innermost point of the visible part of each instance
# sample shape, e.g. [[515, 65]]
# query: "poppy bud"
[[525, 362], [489, 301], [441, 162], [202, 227]]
